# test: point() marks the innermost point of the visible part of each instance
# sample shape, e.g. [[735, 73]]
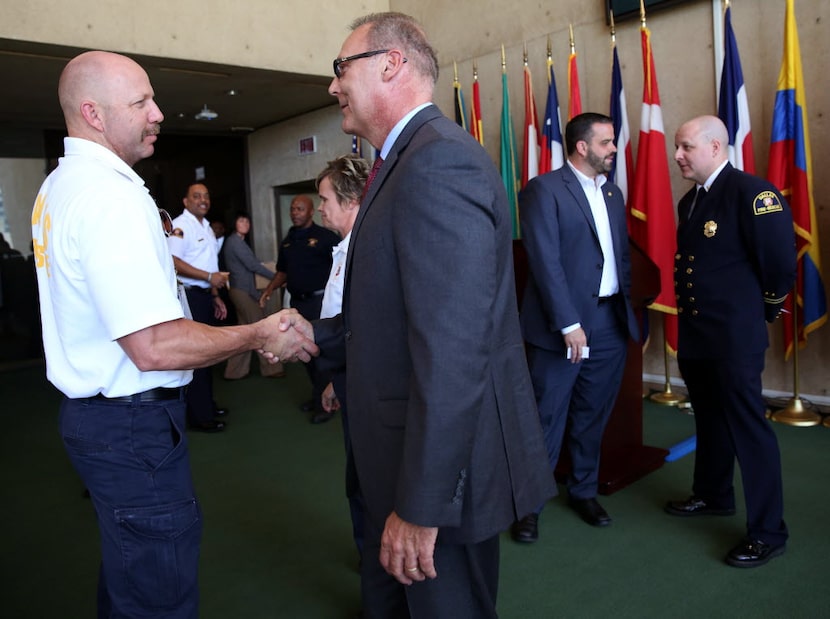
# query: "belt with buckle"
[[151, 395]]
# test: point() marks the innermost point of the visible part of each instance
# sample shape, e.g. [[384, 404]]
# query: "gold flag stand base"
[[794, 414], [667, 397]]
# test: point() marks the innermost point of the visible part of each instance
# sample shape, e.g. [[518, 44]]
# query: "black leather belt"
[[302, 296], [151, 395], [613, 297]]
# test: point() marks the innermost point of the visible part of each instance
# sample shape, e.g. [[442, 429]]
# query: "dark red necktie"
[[372, 175]]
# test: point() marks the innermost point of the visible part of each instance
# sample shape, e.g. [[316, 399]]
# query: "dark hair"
[[396, 30], [581, 128], [347, 175], [190, 184]]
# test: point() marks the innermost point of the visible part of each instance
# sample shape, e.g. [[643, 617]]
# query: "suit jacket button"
[[689, 271], [348, 335], [694, 312]]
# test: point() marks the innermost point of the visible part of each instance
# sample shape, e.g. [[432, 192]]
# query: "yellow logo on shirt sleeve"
[[766, 202], [41, 229]]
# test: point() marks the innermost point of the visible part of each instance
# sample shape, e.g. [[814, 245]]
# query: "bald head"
[[702, 145], [107, 98], [302, 211]]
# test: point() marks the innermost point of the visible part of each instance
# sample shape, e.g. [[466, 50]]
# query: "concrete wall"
[[274, 160], [267, 34], [20, 180]]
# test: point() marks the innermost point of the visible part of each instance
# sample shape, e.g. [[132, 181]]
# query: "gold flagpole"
[[667, 396], [794, 413]]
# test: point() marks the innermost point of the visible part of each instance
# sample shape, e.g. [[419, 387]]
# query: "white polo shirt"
[[104, 271], [194, 242]]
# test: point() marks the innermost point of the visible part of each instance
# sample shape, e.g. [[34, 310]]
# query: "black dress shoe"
[[694, 506], [307, 406], [526, 530], [753, 553], [208, 426], [591, 512], [321, 417]]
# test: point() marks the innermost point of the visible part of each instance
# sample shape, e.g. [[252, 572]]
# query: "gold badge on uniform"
[[710, 228], [766, 202], [312, 242]]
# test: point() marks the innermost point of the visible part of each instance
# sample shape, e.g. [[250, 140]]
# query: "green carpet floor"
[[277, 540]]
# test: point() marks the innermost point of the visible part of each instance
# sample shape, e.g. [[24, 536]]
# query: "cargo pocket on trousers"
[[160, 550]]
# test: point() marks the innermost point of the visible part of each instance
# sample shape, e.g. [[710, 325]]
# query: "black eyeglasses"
[[339, 61]]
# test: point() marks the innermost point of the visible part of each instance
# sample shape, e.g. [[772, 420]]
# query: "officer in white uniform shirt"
[[195, 255], [118, 346]]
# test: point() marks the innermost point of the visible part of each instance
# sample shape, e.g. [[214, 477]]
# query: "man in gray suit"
[[576, 312], [447, 442]]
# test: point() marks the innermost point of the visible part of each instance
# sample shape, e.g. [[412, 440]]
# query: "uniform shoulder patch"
[[766, 202], [177, 232]]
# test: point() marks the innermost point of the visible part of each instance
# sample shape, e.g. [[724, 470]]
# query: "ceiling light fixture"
[[206, 114]]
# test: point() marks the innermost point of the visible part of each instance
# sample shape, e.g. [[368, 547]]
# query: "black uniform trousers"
[[200, 405], [731, 423]]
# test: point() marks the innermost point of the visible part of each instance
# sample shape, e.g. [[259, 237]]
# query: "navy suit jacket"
[[565, 259], [442, 415], [734, 266]]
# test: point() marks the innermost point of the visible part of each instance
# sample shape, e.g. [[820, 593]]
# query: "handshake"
[[286, 336]]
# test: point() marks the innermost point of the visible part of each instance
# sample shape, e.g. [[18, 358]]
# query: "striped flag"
[[530, 153], [623, 162], [476, 125], [509, 169], [574, 96], [458, 97], [733, 107], [790, 169], [651, 208], [552, 156]]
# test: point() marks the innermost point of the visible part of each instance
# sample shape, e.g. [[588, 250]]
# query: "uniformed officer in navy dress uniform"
[[735, 265]]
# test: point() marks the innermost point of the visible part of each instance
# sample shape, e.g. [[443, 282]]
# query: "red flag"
[[530, 152], [653, 225], [574, 97], [476, 126]]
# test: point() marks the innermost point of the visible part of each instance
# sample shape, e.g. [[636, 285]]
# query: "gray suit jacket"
[[441, 409], [565, 259]]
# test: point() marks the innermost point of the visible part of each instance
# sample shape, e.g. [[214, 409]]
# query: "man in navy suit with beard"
[[576, 312]]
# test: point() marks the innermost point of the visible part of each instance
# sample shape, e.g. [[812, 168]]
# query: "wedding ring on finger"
[[412, 569]]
